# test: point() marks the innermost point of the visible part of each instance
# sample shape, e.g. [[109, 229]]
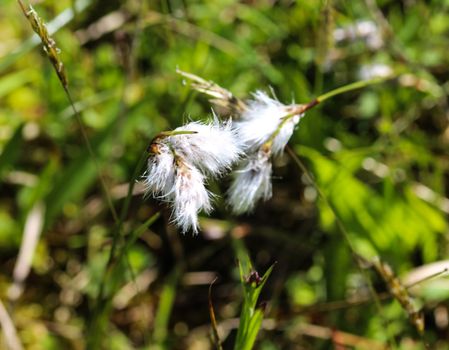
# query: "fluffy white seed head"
[[285, 134], [252, 181], [160, 175], [263, 118], [190, 196], [179, 163], [213, 148]]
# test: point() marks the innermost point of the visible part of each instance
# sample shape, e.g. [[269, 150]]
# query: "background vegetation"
[[378, 155]]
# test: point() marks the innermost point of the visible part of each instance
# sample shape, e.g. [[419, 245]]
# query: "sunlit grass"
[[364, 177]]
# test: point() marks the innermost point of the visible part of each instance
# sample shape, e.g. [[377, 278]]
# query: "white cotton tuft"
[[263, 118], [213, 148], [160, 174], [179, 163], [259, 121], [190, 196], [252, 182], [285, 134]]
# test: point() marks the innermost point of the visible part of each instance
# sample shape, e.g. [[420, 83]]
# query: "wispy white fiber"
[[285, 134], [190, 196], [252, 182], [263, 118], [180, 162], [213, 149], [160, 175]]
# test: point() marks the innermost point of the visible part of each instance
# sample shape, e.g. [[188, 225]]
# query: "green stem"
[[135, 234], [124, 211], [300, 109], [279, 128], [346, 236], [92, 154], [351, 87], [165, 134], [175, 133], [101, 302], [164, 311]]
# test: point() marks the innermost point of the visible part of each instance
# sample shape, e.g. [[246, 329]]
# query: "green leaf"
[[14, 80], [11, 151], [250, 317], [76, 177]]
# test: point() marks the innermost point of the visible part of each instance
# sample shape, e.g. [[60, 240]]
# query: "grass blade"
[[164, 310], [216, 337], [251, 316], [11, 151]]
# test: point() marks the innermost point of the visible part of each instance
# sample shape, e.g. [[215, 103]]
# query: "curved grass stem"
[[350, 87], [302, 108], [344, 232]]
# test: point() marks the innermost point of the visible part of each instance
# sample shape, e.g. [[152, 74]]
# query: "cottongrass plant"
[[181, 161], [264, 127]]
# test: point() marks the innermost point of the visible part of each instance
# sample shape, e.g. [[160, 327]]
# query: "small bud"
[[254, 279]]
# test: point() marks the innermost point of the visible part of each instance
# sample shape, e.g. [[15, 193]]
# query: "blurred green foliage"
[[378, 155]]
